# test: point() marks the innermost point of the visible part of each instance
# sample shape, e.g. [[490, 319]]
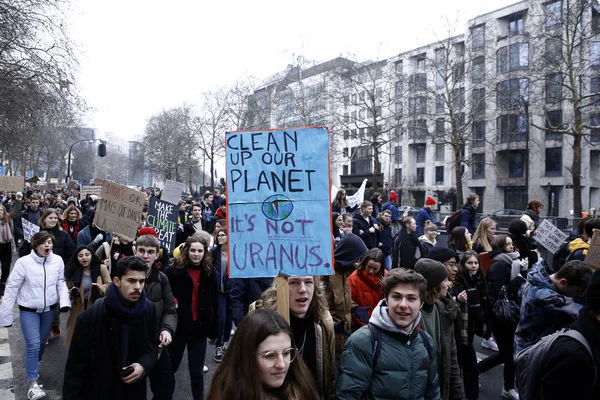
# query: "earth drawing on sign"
[[277, 207]]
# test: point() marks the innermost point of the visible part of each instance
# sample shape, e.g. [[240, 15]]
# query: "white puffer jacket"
[[35, 282]]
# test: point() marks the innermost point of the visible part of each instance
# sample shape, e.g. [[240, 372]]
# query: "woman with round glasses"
[[262, 363]]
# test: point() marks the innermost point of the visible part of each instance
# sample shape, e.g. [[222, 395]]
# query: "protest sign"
[[279, 206], [593, 256], [29, 229], [162, 216], [172, 191], [549, 236], [85, 190], [120, 209], [12, 183]]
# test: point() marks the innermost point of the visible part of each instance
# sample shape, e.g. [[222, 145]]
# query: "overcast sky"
[[138, 57]]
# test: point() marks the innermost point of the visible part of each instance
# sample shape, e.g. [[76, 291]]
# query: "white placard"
[[172, 191], [29, 229], [549, 236]]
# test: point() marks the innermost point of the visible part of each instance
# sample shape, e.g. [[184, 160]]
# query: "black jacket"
[[245, 291], [158, 291], [361, 224], [93, 364], [568, 370], [404, 253], [181, 285], [29, 215]]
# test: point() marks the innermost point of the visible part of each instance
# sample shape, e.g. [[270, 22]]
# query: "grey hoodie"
[[381, 319]]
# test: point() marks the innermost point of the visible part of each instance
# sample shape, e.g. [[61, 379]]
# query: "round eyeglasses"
[[270, 358]]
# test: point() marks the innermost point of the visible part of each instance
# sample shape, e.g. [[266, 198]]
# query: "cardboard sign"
[[85, 190], [29, 229], [593, 255], [279, 206], [12, 183], [172, 191], [119, 209], [162, 216], [549, 236]]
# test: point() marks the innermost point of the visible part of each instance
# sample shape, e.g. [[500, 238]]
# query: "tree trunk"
[[458, 176], [375, 168], [576, 173], [212, 171]]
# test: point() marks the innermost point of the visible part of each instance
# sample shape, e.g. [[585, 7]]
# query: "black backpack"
[[376, 343], [453, 220]]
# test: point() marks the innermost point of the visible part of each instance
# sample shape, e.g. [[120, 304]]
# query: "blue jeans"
[[35, 327], [196, 347], [225, 319], [388, 263]]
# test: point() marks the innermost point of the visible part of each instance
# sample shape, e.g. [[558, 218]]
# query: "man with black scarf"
[[115, 343]]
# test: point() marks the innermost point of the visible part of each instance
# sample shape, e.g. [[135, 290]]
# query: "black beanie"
[[433, 271], [350, 249], [592, 292], [517, 227], [441, 254]]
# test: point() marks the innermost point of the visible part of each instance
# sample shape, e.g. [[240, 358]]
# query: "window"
[[362, 114], [398, 154], [595, 130], [553, 14], [345, 171], [511, 128], [459, 49], [440, 127], [458, 98], [417, 82], [398, 177], [595, 89], [553, 88], [418, 129], [362, 162], [361, 97], [346, 134], [440, 152], [420, 176], [553, 53], [353, 116], [516, 164], [417, 106], [420, 148], [515, 27], [346, 117], [458, 72], [478, 37], [398, 109], [512, 93], [479, 134], [512, 58], [440, 104], [515, 197], [399, 88], [399, 67], [478, 69], [439, 80], [439, 175], [354, 98], [553, 123], [398, 131], [421, 62], [440, 56], [554, 161], [354, 133], [478, 166], [595, 55], [478, 102], [345, 152]]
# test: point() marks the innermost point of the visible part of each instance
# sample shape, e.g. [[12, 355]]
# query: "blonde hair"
[[481, 234]]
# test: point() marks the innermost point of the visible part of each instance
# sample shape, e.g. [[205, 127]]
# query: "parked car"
[[505, 211], [412, 211]]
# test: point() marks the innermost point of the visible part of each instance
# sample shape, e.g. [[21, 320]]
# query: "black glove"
[[340, 327], [65, 309], [362, 313]]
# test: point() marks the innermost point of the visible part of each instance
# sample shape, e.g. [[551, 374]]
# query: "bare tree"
[[213, 122]]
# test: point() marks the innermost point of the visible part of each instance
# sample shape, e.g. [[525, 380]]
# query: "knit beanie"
[[517, 227], [147, 231], [592, 292], [441, 254], [430, 201], [351, 248], [393, 195], [433, 271]]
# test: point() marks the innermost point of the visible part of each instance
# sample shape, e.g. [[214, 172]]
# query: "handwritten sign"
[[593, 255], [279, 204], [85, 190], [549, 236], [11, 183], [29, 229], [162, 216], [172, 191], [120, 209]]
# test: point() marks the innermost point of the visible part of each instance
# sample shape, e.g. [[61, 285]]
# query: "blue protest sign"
[[278, 203], [2, 170], [29, 174]]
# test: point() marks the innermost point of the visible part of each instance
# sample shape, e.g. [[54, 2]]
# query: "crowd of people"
[[398, 318]]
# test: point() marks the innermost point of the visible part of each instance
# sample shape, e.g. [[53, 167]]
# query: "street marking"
[[3, 333], [7, 394], [4, 350], [6, 371], [481, 356]]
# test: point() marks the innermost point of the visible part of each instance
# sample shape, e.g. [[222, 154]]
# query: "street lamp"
[[101, 153]]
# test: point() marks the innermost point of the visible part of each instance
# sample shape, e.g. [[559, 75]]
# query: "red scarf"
[[195, 275]]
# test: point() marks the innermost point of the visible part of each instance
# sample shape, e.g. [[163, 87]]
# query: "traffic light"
[[101, 150]]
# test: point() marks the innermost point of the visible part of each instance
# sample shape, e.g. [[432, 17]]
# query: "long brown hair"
[[318, 304], [7, 219], [340, 199], [237, 376], [183, 262], [47, 212], [376, 255]]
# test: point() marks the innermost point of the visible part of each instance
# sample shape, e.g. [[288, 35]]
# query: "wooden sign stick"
[[283, 297]]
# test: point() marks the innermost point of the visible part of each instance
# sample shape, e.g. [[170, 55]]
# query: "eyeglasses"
[[270, 358], [222, 235], [450, 265], [144, 252]]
